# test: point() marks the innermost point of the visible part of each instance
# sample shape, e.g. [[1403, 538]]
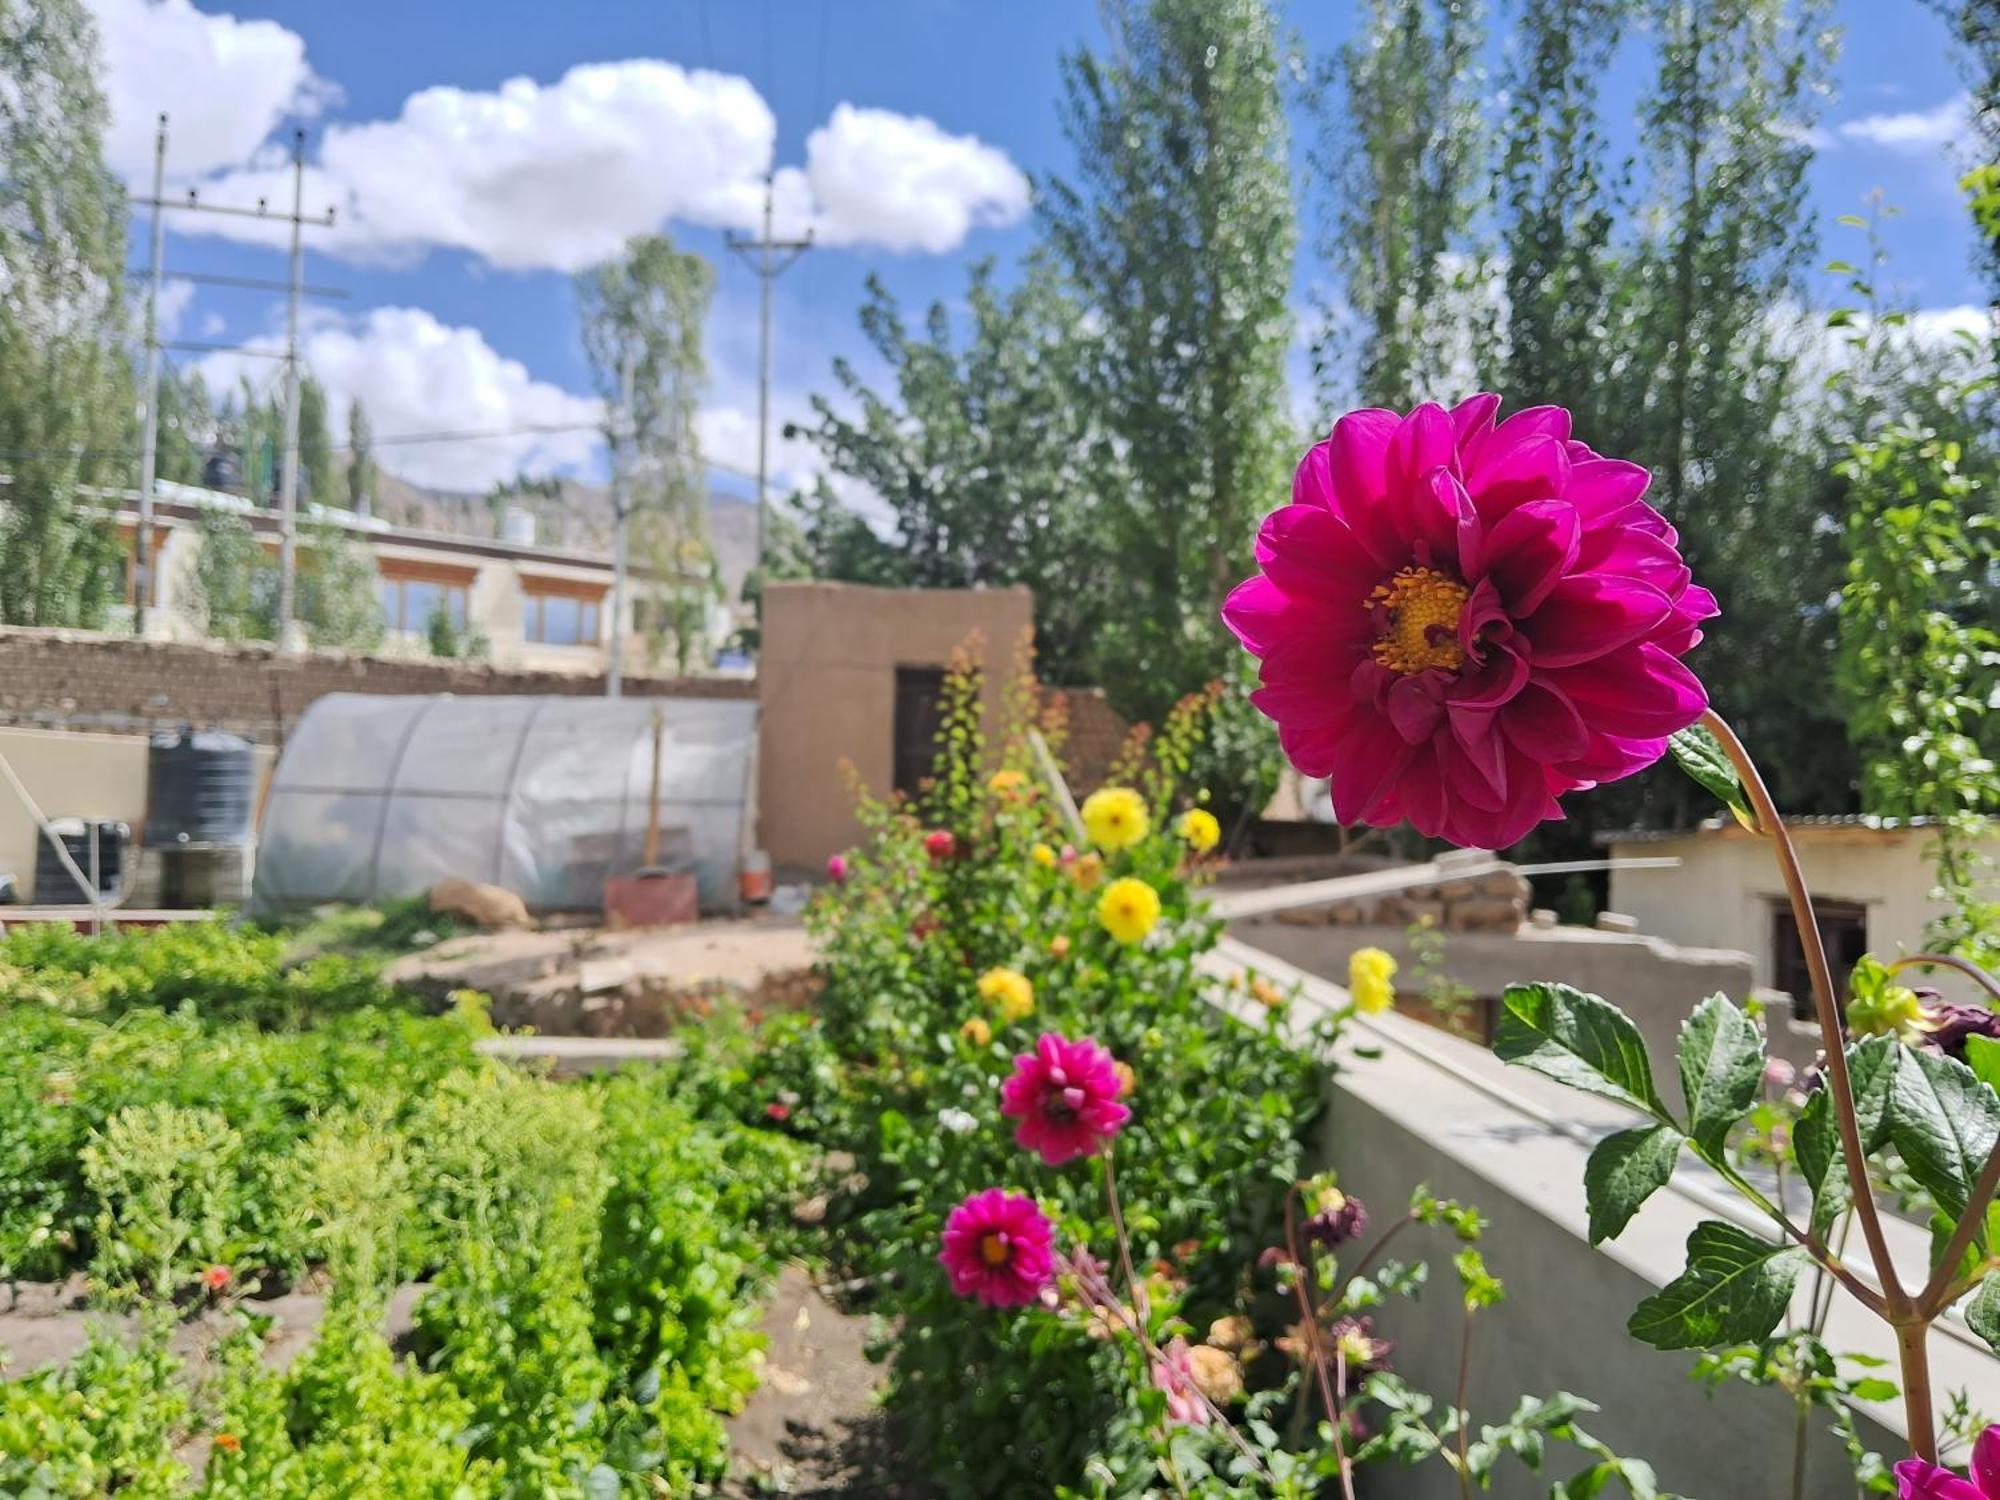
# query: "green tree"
[[647, 313], [360, 460], [1399, 159], [234, 596], [186, 428], [1177, 234], [66, 396], [338, 596], [315, 444], [987, 453]]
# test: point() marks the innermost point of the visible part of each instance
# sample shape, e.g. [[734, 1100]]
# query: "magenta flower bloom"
[[998, 1248], [1459, 622], [1065, 1094], [1917, 1480], [1173, 1375], [836, 868]]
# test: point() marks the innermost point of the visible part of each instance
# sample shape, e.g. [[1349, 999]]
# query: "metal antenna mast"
[[294, 287], [769, 258]]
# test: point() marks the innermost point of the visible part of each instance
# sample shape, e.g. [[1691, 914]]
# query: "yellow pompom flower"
[[1115, 817], [1044, 856], [1199, 828], [1369, 972], [1006, 783], [1128, 909], [976, 1031], [1009, 991]]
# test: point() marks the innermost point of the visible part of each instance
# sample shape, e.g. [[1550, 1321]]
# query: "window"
[[558, 613], [409, 603], [919, 717], [1843, 928]]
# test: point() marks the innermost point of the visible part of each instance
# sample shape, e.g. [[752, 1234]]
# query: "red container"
[[650, 899]]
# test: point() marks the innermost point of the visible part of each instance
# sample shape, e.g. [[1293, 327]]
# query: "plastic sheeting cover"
[[379, 797]]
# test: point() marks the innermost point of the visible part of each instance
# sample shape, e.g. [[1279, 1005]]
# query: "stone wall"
[[85, 680], [1483, 903]]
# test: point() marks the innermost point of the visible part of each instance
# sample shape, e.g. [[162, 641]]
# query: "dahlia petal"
[[1536, 468], [1423, 441], [1475, 770], [1529, 551], [1300, 704], [1611, 758], [1986, 1460], [1422, 792], [1544, 725], [1358, 467], [1599, 486], [1311, 554], [1473, 417], [1368, 758], [1430, 513], [1681, 633], [1312, 481], [1257, 613], [1636, 692], [1633, 554], [1918, 1480], [1591, 614], [1310, 747], [1416, 708], [1497, 679]]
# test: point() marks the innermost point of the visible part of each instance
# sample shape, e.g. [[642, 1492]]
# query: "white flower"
[[958, 1121]]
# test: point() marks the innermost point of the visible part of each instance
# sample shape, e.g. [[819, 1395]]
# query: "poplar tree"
[[1177, 232], [66, 396]]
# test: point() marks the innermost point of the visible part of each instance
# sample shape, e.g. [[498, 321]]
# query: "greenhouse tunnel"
[[379, 797]]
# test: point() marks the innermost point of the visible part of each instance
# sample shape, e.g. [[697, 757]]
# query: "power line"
[[769, 266]]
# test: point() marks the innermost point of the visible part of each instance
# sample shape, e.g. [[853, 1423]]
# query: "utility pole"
[[288, 480], [294, 288], [149, 451], [771, 259], [621, 515]]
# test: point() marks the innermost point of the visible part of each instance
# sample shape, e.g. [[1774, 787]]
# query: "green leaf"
[[1578, 1039], [1722, 1070], [1735, 1289], [1701, 757], [1823, 1165], [1944, 1123], [1872, 1066], [1982, 1055], [1982, 1313], [1625, 1170]]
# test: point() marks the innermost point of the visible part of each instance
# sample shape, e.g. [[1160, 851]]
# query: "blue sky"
[[465, 205]]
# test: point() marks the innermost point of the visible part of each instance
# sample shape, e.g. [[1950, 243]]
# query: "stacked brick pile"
[[1482, 903]]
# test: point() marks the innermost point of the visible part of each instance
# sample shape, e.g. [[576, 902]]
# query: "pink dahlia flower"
[[1459, 622], [836, 868], [1173, 1376], [1917, 1480], [940, 844], [997, 1247], [1065, 1094]]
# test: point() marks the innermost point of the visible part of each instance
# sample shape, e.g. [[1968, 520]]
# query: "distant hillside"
[[580, 520]]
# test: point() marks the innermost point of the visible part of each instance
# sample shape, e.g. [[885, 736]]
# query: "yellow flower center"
[[1423, 608], [993, 1249]]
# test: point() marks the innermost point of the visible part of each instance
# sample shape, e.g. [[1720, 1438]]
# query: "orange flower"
[[229, 1442]]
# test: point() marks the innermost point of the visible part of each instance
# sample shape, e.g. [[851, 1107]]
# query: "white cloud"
[[902, 182], [415, 375], [225, 83], [1915, 132], [176, 297], [558, 176]]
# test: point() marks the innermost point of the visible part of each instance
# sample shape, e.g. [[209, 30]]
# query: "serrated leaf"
[[1721, 1059], [1735, 1289], [1982, 1055], [1944, 1123], [1821, 1162], [1982, 1313], [1702, 759], [1625, 1170], [1582, 1040], [1872, 1066]]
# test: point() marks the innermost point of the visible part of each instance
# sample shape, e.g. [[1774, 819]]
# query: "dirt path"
[[813, 1428]]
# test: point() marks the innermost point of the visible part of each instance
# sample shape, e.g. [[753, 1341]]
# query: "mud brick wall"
[[1484, 903], [84, 680]]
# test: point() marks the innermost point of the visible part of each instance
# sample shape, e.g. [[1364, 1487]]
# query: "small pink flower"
[[215, 1278], [997, 1247], [1173, 1374], [1779, 1075], [1065, 1094], [1460, 622], [940, 845], [778, 1111], [836, 868], [1917, 1480]]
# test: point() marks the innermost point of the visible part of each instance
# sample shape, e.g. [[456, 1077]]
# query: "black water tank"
[[55, 886], [198, 789]]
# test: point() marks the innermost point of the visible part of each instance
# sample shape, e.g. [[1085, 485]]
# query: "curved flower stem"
[[1824, 1007], [1309, 1326], [1964, 966], [1823, 1258], [1464, 1415]]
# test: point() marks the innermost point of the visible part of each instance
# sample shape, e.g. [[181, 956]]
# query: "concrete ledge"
[[1434, 1109]]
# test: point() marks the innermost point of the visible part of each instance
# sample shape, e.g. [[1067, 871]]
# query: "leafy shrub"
[[166, 1179]]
